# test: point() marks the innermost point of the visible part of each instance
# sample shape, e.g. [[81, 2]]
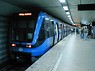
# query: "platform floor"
[[76, 54]]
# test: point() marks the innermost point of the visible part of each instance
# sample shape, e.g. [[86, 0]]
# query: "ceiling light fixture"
[[67, 12], [65, 7], [71, 20], [62, 1], [69, 16]]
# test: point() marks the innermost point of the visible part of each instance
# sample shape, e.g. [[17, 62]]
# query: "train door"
[[62, 30], [65, 30], [46, 30], [55, 33], [48, 33], [59, 31]]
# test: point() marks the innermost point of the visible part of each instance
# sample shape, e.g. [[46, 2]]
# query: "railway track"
[[14, 66]]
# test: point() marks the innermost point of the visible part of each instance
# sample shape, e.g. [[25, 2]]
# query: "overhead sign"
[[86, 7]]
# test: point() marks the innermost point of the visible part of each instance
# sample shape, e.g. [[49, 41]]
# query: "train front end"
[[21, 35]]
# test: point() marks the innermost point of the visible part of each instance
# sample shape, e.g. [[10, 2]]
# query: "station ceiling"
[[53, 7]]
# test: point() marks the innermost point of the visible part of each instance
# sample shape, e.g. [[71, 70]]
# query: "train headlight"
[[13, 45], [28, 45]]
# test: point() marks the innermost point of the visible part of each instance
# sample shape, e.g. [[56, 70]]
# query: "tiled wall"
[[3, 39]]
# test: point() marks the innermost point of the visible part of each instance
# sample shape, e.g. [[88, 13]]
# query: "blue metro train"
[[32, 34]]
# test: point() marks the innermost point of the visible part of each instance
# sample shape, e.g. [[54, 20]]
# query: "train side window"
[[52, 28], [56, 29], [47, 28], [41, 33]]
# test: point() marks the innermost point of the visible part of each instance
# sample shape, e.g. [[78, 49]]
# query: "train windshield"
[[23, 29]]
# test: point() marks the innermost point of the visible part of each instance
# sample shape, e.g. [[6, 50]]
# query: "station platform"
[[70, 54]]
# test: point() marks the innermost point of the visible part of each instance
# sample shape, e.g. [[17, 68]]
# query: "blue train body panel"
[[37, 51], [38, 26]]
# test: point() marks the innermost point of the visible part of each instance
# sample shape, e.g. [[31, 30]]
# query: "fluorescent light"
[[71, 20], [65, 7], [62, 1], [69, 16], [67, 12]]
